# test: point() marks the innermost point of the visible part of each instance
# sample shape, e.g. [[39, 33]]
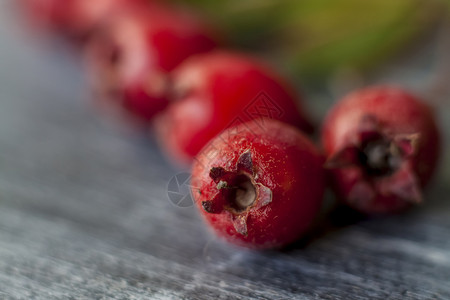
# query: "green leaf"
[[315, 38]]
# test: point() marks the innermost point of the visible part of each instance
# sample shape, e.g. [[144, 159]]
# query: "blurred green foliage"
[[316, 38]]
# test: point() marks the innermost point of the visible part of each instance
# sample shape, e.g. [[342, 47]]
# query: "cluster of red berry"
[[257, 178]]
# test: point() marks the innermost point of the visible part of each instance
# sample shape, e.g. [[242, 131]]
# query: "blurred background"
[[317, 39], [83, 198]]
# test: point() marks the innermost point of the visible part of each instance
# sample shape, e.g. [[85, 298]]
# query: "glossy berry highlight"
[[382, 145], [259, 184]]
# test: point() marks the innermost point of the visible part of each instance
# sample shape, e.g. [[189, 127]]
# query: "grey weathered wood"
[[84, 212]]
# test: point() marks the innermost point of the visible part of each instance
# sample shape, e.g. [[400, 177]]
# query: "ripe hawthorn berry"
[[217, 90], [259, 184], [131, 56], [382, 145]]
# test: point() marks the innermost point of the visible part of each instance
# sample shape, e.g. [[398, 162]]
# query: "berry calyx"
[[259, 184], [379, 158], [380, 155], [238, 192]]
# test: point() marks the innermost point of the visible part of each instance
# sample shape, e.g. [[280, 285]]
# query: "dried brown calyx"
[[237, 192], [384, 160]]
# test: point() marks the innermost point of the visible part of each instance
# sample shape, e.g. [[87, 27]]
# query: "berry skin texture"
[[259, 184], [382, 146], [220, 89], [131, 56]]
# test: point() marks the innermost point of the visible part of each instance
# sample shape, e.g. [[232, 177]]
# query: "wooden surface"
[[84, 212]]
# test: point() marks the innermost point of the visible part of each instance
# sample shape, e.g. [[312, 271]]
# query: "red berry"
[[131, 56], [75, 18], [217, 90], [382, 145], [259, 184]]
